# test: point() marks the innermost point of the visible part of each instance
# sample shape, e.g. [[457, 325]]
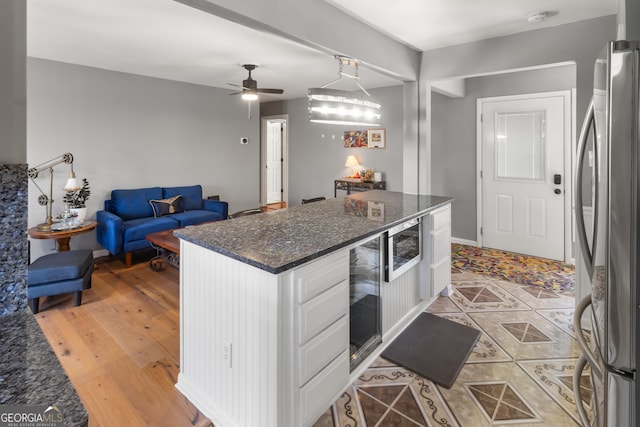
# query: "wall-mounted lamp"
[[341, 107], [43, 199]]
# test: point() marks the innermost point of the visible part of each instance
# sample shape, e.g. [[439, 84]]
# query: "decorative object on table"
[[77, 199], [47, 200], [377, 138], [341, 107], [377, 176], [355, 139], [368, 175]]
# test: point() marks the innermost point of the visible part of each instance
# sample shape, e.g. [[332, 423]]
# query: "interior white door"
[[274, 161], [523, 177]]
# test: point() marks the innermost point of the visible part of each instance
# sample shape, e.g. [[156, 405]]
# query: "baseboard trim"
[[464, 241]]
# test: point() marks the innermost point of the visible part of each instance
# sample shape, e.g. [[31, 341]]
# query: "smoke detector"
[[537, 17]]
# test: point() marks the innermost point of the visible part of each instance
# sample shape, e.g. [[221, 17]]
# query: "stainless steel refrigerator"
[[607, 206]]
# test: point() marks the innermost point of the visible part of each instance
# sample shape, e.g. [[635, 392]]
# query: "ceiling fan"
[[250, 89]]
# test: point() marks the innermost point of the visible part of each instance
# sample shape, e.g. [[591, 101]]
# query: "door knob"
[[557, 191]]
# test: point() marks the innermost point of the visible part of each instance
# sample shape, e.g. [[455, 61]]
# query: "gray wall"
[[578, 42], [13, 99], [129, 131], [315, 161], [629, 17], [454, 142]]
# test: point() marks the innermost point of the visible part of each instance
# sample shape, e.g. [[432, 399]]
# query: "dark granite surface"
[[30, 372], [13, 238], [279, 240]]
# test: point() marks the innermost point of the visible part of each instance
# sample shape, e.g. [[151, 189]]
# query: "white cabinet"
[[322, 337], [439, 249], [261, 349]]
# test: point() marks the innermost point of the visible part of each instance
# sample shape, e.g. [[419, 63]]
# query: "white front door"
[[274, 161], [523, 176]]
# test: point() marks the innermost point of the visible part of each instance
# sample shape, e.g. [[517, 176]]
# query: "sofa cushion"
[[130, 204], [196, 217], [59, 266], [137, 229], [167, 206], [191, 196]]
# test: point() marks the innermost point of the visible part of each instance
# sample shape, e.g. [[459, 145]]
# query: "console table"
[[356, 185]]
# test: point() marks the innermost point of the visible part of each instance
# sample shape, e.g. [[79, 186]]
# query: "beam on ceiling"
[[322, 27]]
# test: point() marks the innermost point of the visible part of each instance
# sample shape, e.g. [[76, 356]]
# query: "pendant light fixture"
[[340, 107]]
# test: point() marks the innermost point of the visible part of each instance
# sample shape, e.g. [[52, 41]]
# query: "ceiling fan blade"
[[265, 90], [235, 93], [234, 85]]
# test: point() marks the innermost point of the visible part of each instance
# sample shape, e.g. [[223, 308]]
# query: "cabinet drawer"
[[440, 245], [318, 394], [441, 217], [440, 276], [317, 277], [320, 312], [322, 349]]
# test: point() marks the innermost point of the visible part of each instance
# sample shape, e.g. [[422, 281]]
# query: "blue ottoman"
[[59, 273]]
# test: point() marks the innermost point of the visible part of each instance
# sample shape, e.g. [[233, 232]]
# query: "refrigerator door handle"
[[577, 375], [577, 327], [589, 123]]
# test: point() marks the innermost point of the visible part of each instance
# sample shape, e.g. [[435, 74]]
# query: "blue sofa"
[[129, 216]]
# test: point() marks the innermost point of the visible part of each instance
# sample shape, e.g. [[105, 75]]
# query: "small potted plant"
[[77, 200]]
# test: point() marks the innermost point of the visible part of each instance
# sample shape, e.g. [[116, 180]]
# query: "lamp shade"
[[249, 95], [351, 161], [342, 108]]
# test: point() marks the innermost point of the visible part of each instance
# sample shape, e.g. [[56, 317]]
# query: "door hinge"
[[481, 118], [481, 231], [481, 176]]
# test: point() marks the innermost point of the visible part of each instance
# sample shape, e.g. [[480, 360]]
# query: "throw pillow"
[[167, 206]]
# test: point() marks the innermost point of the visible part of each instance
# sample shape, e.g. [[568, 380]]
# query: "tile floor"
[[519, 373]]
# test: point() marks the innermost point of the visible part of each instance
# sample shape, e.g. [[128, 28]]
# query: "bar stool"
[[59, 273]]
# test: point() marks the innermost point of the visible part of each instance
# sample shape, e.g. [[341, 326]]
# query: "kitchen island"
[[265, 302]]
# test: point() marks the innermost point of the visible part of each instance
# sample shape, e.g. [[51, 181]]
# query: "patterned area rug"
[[527, 270]]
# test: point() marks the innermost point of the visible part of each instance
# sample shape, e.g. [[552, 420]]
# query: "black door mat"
[[433, 347]]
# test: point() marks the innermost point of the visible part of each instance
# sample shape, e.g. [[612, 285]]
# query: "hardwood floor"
[[121, 347], [274, 206]]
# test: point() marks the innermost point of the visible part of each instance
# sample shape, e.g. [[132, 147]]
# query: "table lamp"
[[43, 199], [352, 162]]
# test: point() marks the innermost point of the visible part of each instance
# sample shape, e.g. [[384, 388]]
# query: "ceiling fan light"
[[250, 96]]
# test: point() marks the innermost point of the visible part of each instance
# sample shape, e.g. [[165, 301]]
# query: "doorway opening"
[[524, 166], [273, 162], [454, 142]]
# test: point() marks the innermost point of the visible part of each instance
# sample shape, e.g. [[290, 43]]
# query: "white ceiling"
[[167, 39], [438, 23]]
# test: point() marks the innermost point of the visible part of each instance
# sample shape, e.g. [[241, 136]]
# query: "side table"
[[62, 236], [356, 185]]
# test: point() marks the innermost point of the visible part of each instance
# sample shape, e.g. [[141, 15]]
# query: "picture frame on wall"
[[355, 139], [376, 138]]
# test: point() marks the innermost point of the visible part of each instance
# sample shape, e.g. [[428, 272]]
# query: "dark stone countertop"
[[279, 240], [30, 373]]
